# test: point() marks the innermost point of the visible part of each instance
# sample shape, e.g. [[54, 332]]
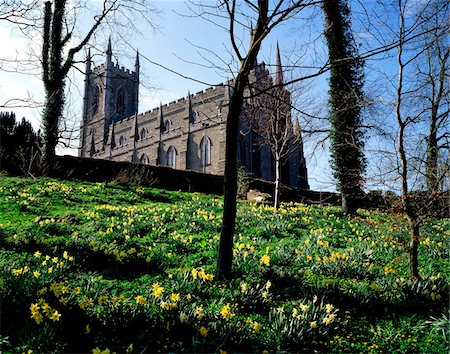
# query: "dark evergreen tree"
[[346, 84], [7, 127], [19, 144]]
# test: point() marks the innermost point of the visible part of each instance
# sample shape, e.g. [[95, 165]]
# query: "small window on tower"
[[195, 116], [121, 140], [96, 99], [167, 126], [143, 134], [120, 103]]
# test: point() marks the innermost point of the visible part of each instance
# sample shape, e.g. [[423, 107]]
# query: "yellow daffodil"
[[244, 287], [157, 290], [175, 297], [140, 300], [55, 316], [226, 312], [203, 331], [265, 260]]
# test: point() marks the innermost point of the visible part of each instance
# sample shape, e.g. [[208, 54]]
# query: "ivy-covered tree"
[[346, 91]]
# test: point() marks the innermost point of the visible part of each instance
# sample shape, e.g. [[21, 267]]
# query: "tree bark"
[[432, 158], [276, 201], [413, 247]]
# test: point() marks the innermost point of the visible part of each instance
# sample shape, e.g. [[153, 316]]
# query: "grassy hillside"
[[93, 267]]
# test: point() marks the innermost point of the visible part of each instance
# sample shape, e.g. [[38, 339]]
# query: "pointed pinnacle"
[[278, 69], [136, 63], [109, 48]]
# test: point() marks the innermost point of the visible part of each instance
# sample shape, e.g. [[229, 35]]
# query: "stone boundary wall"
[[96, 170]]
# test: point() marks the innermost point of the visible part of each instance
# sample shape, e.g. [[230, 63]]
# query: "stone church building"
[[186, 134]]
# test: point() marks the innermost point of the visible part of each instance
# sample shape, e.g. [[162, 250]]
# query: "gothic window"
[[219, 109], [167, 126], [121, 140], [205, 151], [171, 157], [195, 116], [144, 159], [120, 101], [143, 134], [96, 99]]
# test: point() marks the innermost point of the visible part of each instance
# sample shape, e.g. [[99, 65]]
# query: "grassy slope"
[[131, 267]]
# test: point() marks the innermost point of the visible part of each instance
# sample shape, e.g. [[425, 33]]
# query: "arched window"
[[144, 159], [96, 99], [121, 140], [205, 151], [143, 134], [195, 116], [120, 101], [171, 157], [167, 126]]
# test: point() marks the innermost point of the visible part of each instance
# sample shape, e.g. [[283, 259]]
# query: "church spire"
[[88, 62], [109, 50], [278, 69], [136, 62], [136, 78]]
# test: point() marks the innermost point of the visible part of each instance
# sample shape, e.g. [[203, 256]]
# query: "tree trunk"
[[432, 157], [276, 202], [413, 247], [225, 255], [53, 110]]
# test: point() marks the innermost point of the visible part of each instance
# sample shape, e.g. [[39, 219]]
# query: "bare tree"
[[18, 12], [267, 16], [432, 76], [407, 116], [269, 115]]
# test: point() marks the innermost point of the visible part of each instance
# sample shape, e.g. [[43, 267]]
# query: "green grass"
[[87, 266]]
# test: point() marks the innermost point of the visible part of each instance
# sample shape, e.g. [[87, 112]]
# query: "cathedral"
[[186, 134]]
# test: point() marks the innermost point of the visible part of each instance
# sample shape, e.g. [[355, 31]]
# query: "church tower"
[[110, 94]]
